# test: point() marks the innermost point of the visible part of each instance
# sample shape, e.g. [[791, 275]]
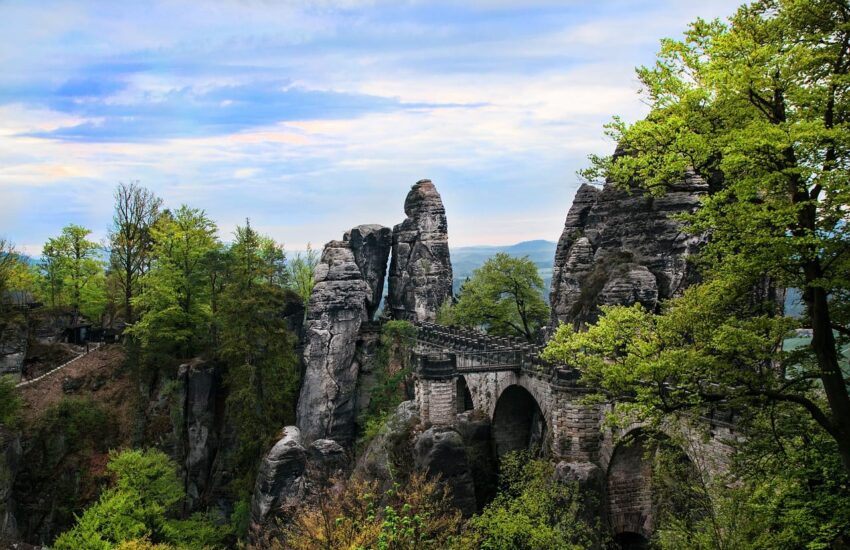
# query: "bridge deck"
[[445, 351]]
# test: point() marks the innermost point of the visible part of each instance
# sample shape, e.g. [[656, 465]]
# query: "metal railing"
[[472, 351]]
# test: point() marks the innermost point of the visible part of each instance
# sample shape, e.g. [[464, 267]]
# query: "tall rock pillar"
[[420, 269], [349, 280]]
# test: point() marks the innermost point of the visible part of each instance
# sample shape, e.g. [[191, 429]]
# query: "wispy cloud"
[[313, 116]]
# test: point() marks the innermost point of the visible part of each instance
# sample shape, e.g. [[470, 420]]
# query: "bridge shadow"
[[518, 423]]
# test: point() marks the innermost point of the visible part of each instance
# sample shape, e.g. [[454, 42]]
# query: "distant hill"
[[466, 259]]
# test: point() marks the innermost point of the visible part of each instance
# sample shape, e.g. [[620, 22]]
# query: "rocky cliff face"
[[290, 474], [10, 458], [371, 245], [13, 345], [421, 269], [621, 247], [198, 391], [349, 283]]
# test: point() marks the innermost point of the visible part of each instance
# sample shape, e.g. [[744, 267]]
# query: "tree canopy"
[[504, 296], [760, 108]]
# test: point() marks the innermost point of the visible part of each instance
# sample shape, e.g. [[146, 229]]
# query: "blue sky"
[[310, 117]]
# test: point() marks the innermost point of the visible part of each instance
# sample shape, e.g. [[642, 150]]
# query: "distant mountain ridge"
[[466, 259]]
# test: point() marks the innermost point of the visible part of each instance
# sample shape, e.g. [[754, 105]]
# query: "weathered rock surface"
[[337, 308], [391, 446], [371, 246], [622, 247], [10, 458], [590, 481], [199, 387], [421, 269], [280, 480], [440, 451], [13, 345], [476, 430]]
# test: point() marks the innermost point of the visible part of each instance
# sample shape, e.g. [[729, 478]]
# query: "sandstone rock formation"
[[349, 283], [421, 269], [388, 448], [291, 474], [10, 458], [280, 478], [622, 247], [440, 451], [13, 345], [198, 391], [371, 245]]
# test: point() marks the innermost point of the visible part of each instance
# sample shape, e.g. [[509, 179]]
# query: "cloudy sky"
[[310, 117]]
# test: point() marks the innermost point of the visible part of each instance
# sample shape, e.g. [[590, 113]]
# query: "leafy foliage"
[[73, 272], [175, 296], [143, 504], [258, 350], [301, 269], [504, 296], [10, 403], [391, 366], [760, 109], [130, 239], [415, 515], [530, 511], [789, 492]]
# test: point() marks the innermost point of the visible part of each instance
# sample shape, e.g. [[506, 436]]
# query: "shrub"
[[141, 508], [417, 515], [530, 511]]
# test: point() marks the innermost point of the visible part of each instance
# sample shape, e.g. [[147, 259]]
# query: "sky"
[[312, 116]]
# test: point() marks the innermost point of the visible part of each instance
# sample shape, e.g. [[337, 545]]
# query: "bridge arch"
[[635, 496], [518, 422], [464, 396]]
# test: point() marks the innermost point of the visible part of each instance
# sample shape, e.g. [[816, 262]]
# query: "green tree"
[[82, 263], [505, 296], [142, 504], [175, 297], [760, 108], [130, 240], [70, 261], [10, 403], [258, 350], [9, 264], [301, 270], [52, 271]]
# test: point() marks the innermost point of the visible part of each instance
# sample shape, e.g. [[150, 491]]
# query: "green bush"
[[142, 504], [391, 366], [531, 511], [10, 403]]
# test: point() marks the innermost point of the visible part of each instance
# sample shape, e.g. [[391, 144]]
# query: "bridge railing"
[[476, 352]]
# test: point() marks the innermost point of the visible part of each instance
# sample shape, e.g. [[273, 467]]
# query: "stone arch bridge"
[[534, 404]]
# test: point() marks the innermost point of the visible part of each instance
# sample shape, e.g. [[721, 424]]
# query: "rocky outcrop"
[[391, 447], [198, 391], [280, 478], [13, 345], [441, 451], [335, 313], [620, 246], [420, 270], [291, 474], [476, 430], [10, 459], [371, 245]]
